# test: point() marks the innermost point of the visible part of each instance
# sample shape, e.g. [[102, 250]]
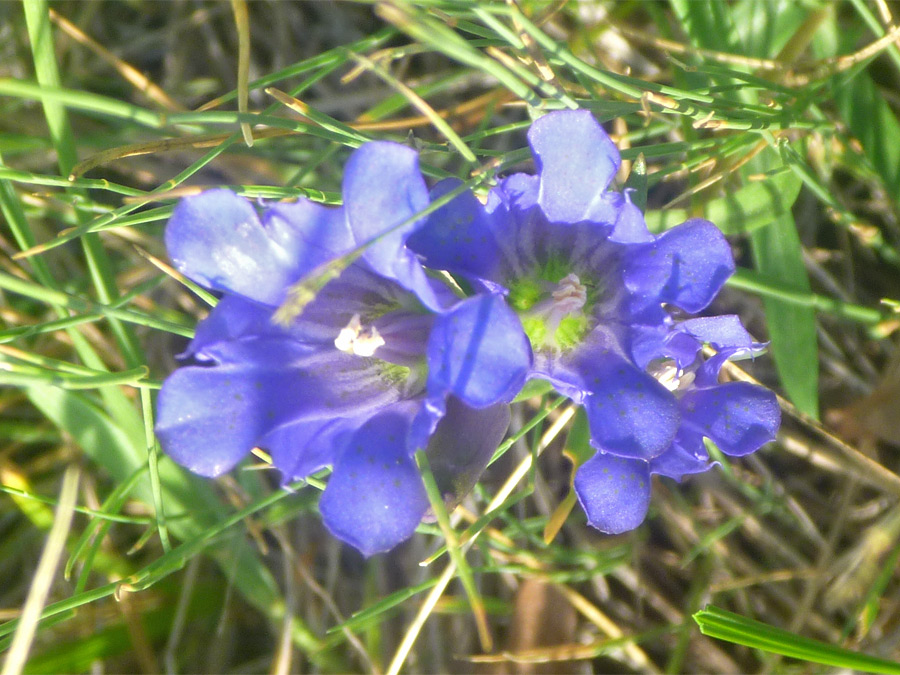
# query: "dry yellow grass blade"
[[131, 74], [470, 111], [419, 104], [242, 21], [843, 458], [427, 607], [43, 576], [165, 145]]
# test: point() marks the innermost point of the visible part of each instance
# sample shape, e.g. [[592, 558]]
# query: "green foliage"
[[735, 628], [768, 117]]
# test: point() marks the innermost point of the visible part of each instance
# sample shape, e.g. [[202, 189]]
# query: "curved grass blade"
[[724, 625]]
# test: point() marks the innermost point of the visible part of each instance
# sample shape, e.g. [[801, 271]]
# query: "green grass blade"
[[457, 554], [153, 462], [768, 287], [765, 27], [441, 38], [747, 209], [108, 509], [708, 23], [778, 254], [80, 304], [864, 109], [870, 118], [40, 35], [724, 625], [37, 19], [122, 455]]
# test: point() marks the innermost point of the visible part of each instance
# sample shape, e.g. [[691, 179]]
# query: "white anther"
[[345, 339], [686, 379], [354, 340], [669, 375]]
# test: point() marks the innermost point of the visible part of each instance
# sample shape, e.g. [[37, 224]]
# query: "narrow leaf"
[[735, 628], [778, 254]]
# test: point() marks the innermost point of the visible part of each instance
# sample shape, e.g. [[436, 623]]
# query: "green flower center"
[[554, 307]]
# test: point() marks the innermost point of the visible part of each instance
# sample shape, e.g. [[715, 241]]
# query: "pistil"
[[563, 308], [569, 297]]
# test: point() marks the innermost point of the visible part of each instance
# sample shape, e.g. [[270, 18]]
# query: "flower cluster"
[[568, 286]]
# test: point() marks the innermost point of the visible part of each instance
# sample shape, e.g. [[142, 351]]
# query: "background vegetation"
[[776, 119]]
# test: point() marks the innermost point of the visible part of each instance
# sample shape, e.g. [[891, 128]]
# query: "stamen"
[[354, 340], [669, 375], [666, 373], [568, 299]]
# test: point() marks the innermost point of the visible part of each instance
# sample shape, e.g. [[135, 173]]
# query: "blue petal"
[[478, 352], [458, 236], [217, 240], [304, 446], [738, 417], [630, 414], [572, 373], [383, 188], [614, 492], [630, 226], [375, 499], [725, 333], [646, 336], [314, 234], [722, 332], [707, 375], [462, 445], [518, 192], [232, 318], [686, 455], [210, 417], [576, 162], [683, 348], [685, 266]]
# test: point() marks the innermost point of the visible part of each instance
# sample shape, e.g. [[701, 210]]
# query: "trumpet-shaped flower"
[[383, 361], [593, 287], [738, 417]]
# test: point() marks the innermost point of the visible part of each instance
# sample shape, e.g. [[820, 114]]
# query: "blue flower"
[[738, 417], [593, 287], [382, 362]]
